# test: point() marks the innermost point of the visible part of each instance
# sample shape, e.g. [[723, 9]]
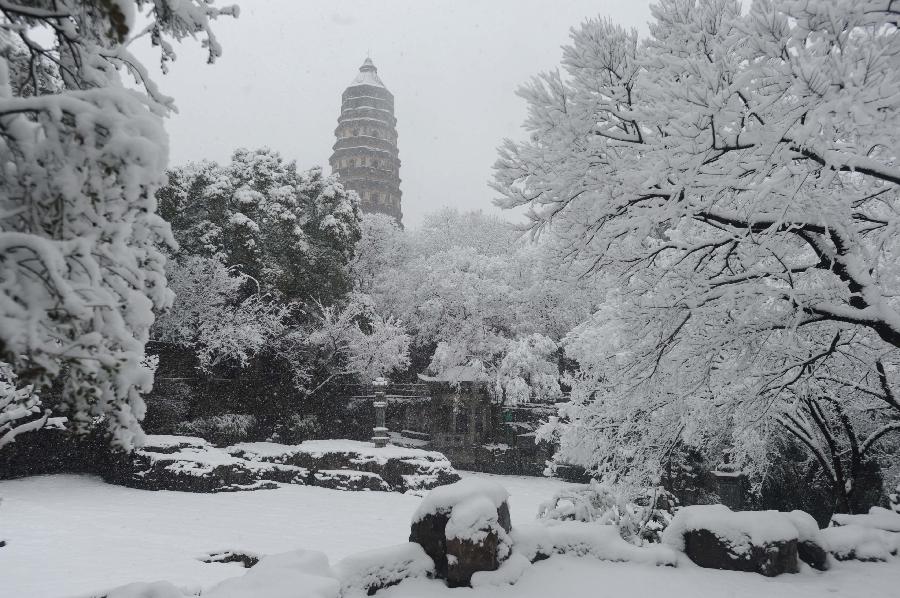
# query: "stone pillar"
[[380, 432]]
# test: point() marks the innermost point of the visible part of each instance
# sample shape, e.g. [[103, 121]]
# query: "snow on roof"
[[368, 75]]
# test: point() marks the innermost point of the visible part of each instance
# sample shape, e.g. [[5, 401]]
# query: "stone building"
[[365, 151], [454, 413]]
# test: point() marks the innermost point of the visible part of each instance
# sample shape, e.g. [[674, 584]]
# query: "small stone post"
[[380, 432]]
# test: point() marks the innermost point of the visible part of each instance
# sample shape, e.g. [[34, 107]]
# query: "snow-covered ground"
[[68, 535], [76, 536]]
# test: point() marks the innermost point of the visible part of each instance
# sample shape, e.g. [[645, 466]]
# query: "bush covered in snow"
[[221, 430], [544, 539], [860, 543], [607, 504], [168, 407], [296, 428]]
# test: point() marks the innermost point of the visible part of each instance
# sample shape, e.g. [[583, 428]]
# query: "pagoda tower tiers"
[[365, 152]]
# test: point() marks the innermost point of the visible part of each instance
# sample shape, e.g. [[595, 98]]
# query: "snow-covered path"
[[74, 535], [68, 535]]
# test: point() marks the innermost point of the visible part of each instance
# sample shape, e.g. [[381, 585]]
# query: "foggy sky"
[[453, 67]]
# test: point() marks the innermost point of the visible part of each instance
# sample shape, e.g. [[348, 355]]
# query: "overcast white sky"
[[452, 65]]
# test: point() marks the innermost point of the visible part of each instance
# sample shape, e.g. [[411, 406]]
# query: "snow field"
[[72, 535]]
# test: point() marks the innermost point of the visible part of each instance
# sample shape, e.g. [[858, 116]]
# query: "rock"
[[707, 549], [428, 532], [345, 479], [467, 557], [813, 554], [191, 464], [763, 542], [399, 469], [247, 560], [810, 542], [464, 528]]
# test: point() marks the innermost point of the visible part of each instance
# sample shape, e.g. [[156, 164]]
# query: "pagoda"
[[365, 151]]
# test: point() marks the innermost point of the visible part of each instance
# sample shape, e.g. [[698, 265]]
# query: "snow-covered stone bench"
[[191, 464]]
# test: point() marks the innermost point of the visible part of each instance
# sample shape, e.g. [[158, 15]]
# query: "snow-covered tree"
[[82, 155], [214, 315], [293, 232], [466, 287], [529, 371], [383, 248], [355, 340], [732, 182]]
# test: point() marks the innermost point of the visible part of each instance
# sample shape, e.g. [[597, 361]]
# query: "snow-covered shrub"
[[296, 428], [222, 430], [364, 573], [860, 543], [606, 504], [543, 539], [167, 406]]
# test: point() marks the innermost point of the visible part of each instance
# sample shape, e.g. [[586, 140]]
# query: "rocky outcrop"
[[390, 468], [191, 464]]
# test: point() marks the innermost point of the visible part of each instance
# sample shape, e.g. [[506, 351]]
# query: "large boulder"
[[708, 549], [464, 528], [716, 537]]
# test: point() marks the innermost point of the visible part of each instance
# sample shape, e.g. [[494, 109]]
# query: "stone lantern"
[[730, 483], [380, 432]]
